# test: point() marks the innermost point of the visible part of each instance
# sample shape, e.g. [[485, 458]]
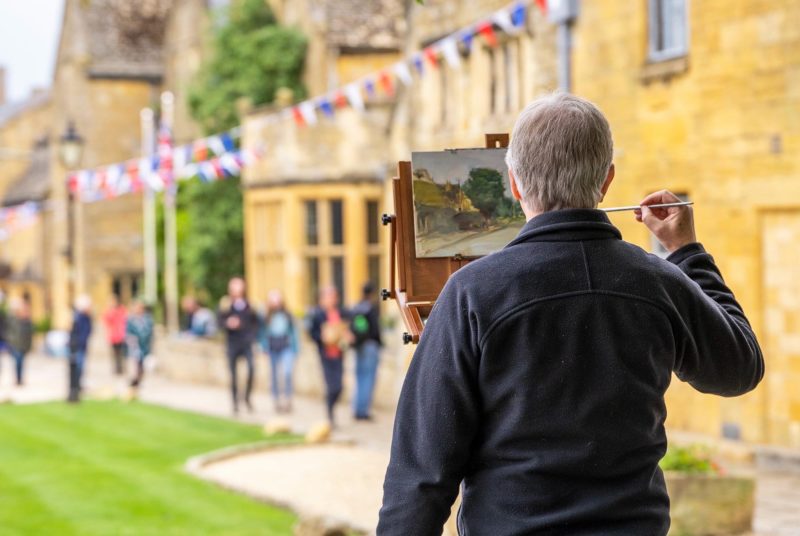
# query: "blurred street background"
[[151, 151]]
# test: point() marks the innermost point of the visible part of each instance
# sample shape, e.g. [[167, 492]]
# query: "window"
[[667, 23], [312, 233], [337, 275], [337, 223], [374, 270], [492, 83], [508, 77], [373, 222], [324, 250], [444, 96], [655, 245], [312, 266]]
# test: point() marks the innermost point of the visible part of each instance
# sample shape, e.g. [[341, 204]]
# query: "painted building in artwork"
[[703, 99]]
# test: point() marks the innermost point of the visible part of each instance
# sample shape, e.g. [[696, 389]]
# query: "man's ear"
[[607, 182], [514, 189]]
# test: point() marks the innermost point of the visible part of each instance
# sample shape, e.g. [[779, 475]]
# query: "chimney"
[[2, 85]]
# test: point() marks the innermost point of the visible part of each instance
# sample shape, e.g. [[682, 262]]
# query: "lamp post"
[[70, 153]]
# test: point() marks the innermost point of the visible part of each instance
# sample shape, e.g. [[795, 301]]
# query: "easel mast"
[[415, 282]]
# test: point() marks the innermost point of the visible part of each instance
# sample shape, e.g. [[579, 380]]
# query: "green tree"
[[252, 57], [211, 251], [486, 190]]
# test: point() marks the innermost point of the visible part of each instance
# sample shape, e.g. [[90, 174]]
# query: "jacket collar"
[[566, 225]]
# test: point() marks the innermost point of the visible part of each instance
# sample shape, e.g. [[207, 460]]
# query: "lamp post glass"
[[71, 148]]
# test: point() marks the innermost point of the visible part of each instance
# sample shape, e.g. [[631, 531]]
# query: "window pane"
[[667, 26], [337, 273], [492, 83], [312, 236], [372, 222], [337, 227], [374, 270], [312, 268], [508, 75]]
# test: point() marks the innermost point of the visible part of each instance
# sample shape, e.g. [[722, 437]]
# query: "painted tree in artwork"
[[486, 191]]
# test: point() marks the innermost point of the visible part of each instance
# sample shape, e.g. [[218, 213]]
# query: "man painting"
[[539, 380]]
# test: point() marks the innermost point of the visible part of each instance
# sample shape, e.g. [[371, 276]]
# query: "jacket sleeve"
[[435, 423], [719, 353]]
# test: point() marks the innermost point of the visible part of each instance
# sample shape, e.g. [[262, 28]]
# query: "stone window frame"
[[665, 64], [670, 19]]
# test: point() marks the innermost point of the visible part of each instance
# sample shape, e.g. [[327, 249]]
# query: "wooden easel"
[[415, 283]]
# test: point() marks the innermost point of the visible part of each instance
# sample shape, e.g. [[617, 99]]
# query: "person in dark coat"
[[330, 331], [19, 335], [241, 326], [365, 325], [79, 344], [538, 384]]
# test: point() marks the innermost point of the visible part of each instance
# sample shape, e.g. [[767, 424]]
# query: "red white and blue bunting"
[[210, 158], [18, 217], [219, 156], [448, 51]]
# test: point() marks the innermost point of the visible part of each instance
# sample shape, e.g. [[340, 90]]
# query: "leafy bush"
[[692, 460]]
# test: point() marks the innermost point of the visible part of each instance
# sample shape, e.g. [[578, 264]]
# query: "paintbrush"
[[637, 207]]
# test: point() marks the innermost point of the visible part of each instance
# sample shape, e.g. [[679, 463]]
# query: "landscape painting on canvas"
[[463, 203]]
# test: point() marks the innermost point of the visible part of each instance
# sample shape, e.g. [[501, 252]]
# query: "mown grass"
[[103, 468]]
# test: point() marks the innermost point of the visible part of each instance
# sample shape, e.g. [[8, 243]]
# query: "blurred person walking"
[[279, 340], [330, 331], [241, 325], [366, 329], [79, 345], [199, 321], [19, 334], [139, 334], [3, 322], [115, 319]]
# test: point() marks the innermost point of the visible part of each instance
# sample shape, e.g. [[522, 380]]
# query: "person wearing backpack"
[[278, 339], [366, 329], [329, 329]]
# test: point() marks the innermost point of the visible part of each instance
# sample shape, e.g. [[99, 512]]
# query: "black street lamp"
[[71, 147], [70, 153]]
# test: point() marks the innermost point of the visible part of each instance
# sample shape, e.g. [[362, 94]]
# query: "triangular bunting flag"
[[449, 49], [386, 83], [308, 110], [487, 32], [430, 54], [402, 72], [353, 93]]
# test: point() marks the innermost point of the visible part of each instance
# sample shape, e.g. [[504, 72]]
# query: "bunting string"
[[219, 156]]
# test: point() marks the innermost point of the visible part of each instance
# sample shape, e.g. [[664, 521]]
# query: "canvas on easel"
[[451, 207]]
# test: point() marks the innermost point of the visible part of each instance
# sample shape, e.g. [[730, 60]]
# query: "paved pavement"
[[337, 481]]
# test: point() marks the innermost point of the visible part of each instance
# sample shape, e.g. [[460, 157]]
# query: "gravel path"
[[339, 482]]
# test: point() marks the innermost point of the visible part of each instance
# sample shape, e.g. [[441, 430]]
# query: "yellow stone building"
[[24, 177], [313, 201], [704, 100]]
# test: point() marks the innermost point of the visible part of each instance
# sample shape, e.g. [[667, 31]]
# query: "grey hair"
[[560, 153]]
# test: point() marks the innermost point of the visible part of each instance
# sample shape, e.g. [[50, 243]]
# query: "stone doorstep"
[[778, 458], [742, 454], [307, 524]]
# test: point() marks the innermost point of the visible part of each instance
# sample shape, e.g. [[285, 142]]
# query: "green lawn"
[[103, 468]]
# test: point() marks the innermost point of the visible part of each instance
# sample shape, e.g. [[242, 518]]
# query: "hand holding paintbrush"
[[669, 219]]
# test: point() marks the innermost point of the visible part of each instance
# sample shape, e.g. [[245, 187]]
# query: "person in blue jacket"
[[79, 344], [139, 336], [278, 339]]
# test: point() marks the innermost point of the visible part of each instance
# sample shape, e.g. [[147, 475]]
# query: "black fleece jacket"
[[539, 382]]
